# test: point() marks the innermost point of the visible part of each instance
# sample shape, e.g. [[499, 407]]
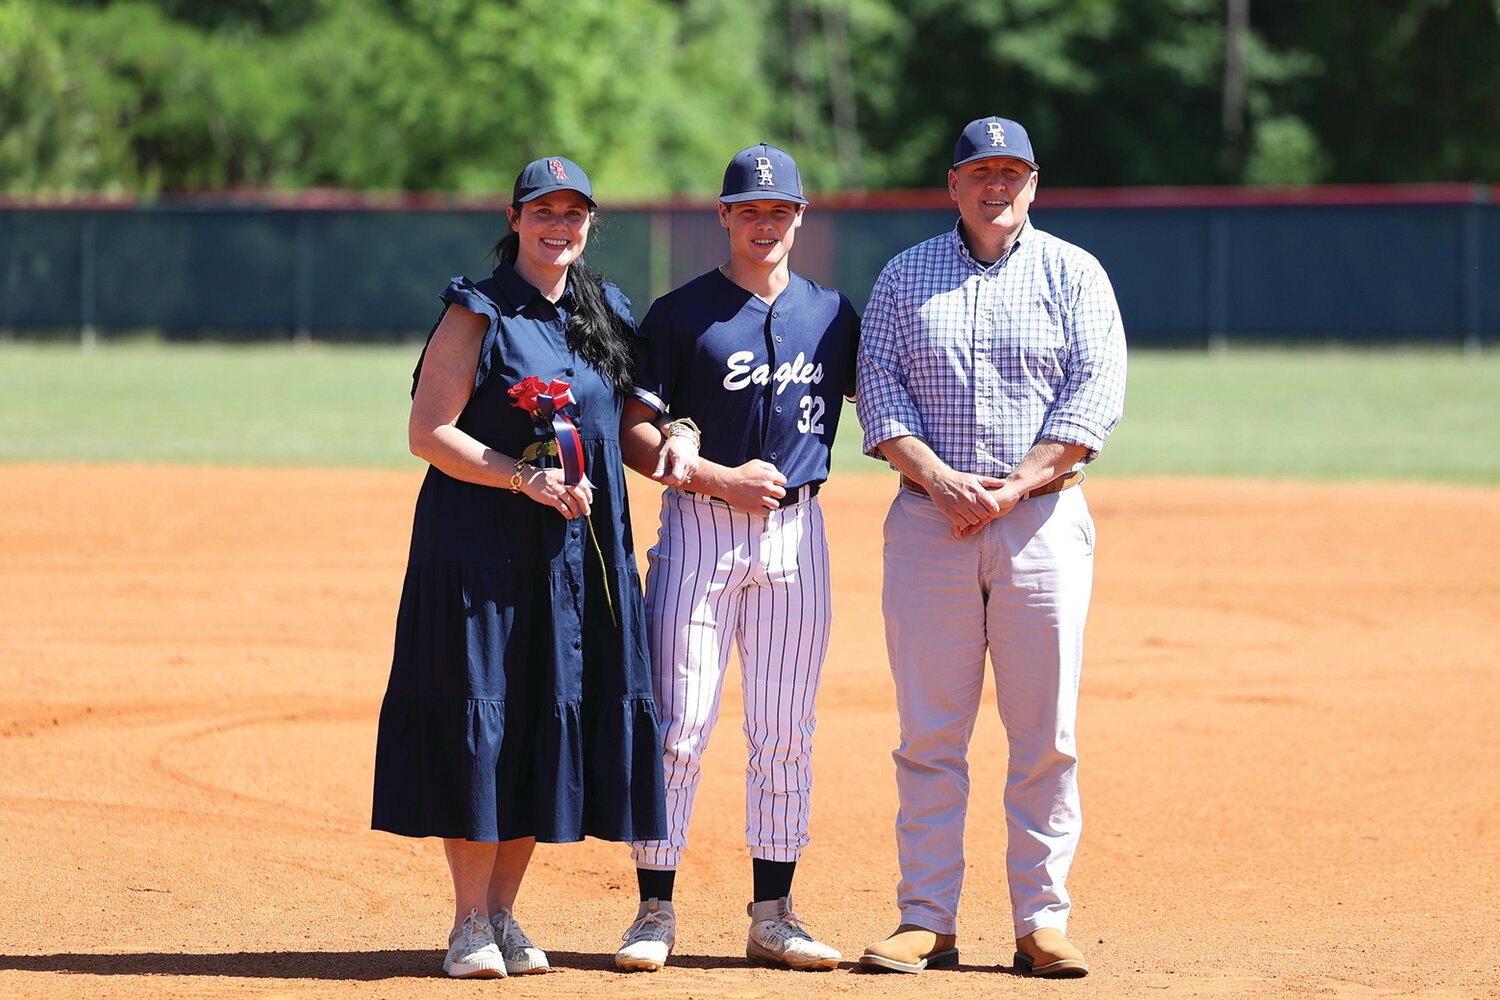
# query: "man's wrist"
[[928, 477]]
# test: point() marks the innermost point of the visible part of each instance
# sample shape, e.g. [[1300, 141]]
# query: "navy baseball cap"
[[762, 173], [986, 137], [551, 173]]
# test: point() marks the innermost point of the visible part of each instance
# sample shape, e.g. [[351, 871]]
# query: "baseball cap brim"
[[731, 199], [997, 156], [540, 192]]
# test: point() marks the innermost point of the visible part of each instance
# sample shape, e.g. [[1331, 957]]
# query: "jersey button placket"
[[773, 327]]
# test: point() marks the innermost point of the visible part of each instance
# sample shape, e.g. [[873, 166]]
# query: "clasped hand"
[[970, 502]]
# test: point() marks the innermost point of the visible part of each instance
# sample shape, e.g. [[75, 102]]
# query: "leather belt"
[[1057, 485], [796, 495]]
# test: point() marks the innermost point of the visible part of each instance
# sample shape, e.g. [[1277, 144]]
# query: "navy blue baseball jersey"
[[761, 381]]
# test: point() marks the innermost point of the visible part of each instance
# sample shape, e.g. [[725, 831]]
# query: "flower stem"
[[603, 572]]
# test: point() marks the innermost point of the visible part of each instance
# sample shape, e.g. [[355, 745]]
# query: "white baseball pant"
[[1020, 589], [716, 576]]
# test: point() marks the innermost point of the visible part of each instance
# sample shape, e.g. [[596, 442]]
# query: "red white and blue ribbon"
[[545, 402], [569, 443]]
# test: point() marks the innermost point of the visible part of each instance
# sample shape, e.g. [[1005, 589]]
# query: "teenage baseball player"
[[761, 359]]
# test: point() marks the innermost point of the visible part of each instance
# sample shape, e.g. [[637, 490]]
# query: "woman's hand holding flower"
[[548, 488]]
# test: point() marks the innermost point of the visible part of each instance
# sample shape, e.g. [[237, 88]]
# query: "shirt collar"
[[520, 293], [956, 241]]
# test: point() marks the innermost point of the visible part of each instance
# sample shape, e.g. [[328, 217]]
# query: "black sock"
[[773, 879], [655, 884]]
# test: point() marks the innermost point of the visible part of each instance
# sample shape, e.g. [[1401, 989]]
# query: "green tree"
[[1111, 92], [1406, 90], [51, 140], [652, 96], [646, 94], [178, 95], [928, 66]]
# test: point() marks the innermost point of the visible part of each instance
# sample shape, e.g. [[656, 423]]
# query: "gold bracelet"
[[515, 477], [684, 426]]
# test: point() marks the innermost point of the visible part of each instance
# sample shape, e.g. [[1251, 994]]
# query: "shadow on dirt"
[[330, 965]]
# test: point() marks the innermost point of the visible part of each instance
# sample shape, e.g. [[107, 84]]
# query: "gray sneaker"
[[521, 956], [471, 950], [778, 938], [650, 939]]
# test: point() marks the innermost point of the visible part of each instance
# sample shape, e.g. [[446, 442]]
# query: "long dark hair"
[[598, 333]]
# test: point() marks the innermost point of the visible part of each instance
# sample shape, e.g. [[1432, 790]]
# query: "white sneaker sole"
[[760, 956], [475, 970], [636, 963]]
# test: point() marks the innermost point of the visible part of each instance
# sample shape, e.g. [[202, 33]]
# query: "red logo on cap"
[[557, 169]]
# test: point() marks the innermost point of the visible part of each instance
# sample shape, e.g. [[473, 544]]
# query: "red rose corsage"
[[545, 402]]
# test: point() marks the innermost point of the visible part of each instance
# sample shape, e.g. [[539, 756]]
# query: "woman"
[[519, 706]]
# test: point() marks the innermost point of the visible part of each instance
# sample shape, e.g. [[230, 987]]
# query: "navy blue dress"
[[516, 706]]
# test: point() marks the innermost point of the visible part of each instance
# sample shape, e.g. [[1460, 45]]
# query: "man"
[[761, 358], [992, 367]]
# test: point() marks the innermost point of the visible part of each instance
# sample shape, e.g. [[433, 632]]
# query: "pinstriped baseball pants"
[[1019, 590], [718, 576]]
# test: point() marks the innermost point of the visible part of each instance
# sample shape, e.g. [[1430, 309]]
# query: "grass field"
[[1257, 413]]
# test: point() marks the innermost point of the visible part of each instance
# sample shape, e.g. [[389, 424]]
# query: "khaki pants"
[[1019, 590]]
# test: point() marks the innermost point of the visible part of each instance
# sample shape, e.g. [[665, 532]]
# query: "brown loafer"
[[1046, 954], [911, 949]]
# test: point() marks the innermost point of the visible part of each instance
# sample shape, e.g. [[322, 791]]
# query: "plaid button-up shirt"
[[982, 362]]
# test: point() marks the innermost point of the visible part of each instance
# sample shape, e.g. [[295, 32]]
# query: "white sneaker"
[[521, 956], [471, 950], [778, 938], [650, 939]]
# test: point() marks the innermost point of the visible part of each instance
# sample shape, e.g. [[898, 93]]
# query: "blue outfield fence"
[[1418, 265]]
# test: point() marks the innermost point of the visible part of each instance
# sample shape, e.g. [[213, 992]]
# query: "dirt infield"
[[1290, 737]]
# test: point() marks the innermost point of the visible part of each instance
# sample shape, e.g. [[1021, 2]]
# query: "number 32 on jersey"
[[811, 421]]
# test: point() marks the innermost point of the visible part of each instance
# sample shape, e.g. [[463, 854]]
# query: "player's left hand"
[[755, 487], [677, 462]]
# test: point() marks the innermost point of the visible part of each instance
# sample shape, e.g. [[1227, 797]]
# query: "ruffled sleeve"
[[619, 302], [463, 292]]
